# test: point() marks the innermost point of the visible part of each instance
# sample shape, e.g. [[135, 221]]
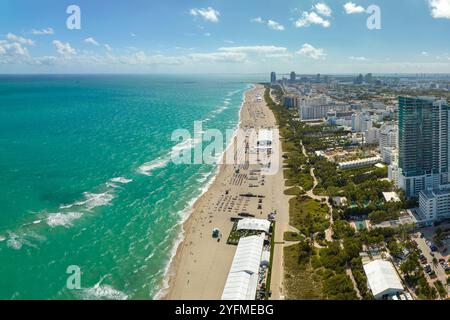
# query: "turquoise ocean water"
[[86, 178]]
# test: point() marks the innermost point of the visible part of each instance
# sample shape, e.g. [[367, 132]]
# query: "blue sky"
[[233, 36]]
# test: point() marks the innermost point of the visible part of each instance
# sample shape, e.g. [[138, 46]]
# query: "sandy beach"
[[200, 267]]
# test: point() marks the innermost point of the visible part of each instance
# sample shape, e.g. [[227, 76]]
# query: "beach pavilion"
[[254, 224], [242, 281]]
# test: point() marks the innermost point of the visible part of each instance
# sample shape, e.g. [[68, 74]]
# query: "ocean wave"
[[16, 241], [232, 93], [60, 219], [15, 244], [103, 292], [148, 167], [91, 201], [185, 145], [121, 180], [161, 162]]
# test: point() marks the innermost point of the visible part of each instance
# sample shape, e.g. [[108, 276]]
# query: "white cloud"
[[309, 51], [133, 34], [286, 55], [440, 8], [227, 57], [275, 25], [12, 37], [424, 53], [46, 60], [64, 49], [309, 18], [42, 32], [323, 9], [141, 58], [241, 54], [13, 49], [358, 58], [351, 8], [270, 23], [13, 53], [258, 20], [92, 41], [261, 50], [108, 47], [209, 14]]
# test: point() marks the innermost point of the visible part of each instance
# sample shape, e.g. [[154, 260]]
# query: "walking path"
[[355, 286], [324, 199]]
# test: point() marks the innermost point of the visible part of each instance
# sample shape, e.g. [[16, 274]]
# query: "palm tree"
[[435, 262]]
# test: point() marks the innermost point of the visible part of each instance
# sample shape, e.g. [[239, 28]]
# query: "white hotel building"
[[316, 108], [434, 205]]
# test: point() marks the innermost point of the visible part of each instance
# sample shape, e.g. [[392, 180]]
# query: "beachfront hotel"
[[423, 144], [423, 155]]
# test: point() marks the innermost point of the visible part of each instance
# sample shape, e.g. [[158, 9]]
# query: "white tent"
[[383, 279], [242, 280], [265, 137], [254, 224]]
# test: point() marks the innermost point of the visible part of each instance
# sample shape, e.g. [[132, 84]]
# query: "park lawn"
[[294, 191], [292, 236]]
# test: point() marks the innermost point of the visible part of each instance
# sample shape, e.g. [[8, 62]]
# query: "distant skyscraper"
[[423, 139], [359, 79], [318, 78], [273, 77], [293, 76], [368, 78]]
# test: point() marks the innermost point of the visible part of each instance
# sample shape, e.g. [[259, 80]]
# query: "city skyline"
[[329, 37]]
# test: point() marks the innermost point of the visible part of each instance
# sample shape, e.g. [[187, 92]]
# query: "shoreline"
[[199, 266], [169, 273]]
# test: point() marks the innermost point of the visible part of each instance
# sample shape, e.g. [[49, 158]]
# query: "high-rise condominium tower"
[[423, 140]]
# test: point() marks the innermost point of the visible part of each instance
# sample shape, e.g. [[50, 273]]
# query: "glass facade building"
[[423, 142]]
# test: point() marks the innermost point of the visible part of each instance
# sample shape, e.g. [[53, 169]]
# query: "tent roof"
[[382, 277], [242, 280]]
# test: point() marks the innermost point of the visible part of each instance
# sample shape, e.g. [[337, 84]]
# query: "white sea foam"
[[148, 167], [91, 201], [185, 145], [14, 242], [60, 219], [161, 162], [103, 292], [112, 185], [121, 180], [94, 200], [2, 238]]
